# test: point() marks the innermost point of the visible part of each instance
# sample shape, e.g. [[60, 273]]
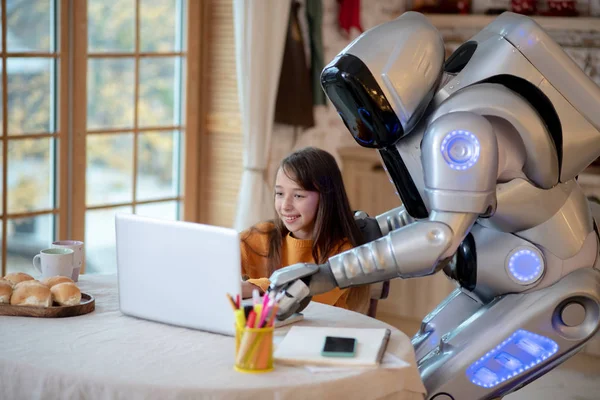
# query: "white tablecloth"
[[106, 355]]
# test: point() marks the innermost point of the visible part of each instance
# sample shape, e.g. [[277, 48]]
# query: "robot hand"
[[296, 284]]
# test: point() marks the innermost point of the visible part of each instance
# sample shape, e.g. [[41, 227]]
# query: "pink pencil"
[[263, 314]]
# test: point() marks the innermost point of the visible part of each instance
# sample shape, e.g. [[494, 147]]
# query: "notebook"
[[303, 345]]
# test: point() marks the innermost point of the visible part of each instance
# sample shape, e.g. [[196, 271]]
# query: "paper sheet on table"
[[389, 361]]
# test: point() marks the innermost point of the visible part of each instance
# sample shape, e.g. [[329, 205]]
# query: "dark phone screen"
[[335, 344]]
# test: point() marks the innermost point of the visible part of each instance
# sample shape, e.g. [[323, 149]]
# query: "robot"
[[484, 150]]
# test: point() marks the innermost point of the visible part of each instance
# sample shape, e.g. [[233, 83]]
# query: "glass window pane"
[[158, 24], [28, 26], [163, 210], [25, 238], [109, 173], [111, 26], [159, 90], [30, 175], [158, 174], [29, 95], [110, 93], [100, 240], [182, 23]]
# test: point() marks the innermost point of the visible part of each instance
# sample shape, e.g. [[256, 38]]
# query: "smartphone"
[[339, 347]]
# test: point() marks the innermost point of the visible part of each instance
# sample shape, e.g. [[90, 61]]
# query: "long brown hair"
[[316, 170]]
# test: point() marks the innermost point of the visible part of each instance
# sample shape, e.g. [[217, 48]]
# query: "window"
[[31, 129], [94, 100], [135, 54]]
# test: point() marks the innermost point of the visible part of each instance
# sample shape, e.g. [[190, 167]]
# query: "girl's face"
[[296, 207]]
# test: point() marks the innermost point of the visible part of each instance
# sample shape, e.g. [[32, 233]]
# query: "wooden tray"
[[87, 305]]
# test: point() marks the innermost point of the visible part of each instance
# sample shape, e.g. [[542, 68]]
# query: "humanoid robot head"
[[361, 103], [383, 81], [381, 85]]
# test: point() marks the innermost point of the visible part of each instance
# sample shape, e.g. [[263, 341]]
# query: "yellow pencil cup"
[[253, 349]]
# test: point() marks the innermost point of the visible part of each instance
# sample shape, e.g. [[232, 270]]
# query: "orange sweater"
[[255, 247]]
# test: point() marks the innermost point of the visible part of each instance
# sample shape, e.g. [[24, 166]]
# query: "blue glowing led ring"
[[525, 265], [460, 149]]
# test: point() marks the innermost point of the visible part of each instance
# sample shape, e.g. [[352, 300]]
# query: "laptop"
[[178, 272]]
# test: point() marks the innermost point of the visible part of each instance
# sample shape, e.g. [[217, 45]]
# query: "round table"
[[107, 355]]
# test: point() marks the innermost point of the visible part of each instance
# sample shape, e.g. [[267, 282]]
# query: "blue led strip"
[[522, 351]]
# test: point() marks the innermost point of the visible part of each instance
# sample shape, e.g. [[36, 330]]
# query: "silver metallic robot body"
[[484, 151]]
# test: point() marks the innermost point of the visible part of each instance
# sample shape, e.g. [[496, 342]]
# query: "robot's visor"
[[361, 103]]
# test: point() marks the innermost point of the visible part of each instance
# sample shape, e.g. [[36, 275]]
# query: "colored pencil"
[[233, 305]]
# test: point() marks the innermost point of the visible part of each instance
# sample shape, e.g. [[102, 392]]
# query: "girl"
[[314, 222]]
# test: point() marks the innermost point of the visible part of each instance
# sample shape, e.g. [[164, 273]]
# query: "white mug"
[[53, 262], [78, 256]]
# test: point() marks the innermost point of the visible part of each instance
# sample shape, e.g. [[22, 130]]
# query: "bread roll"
[[5, 292], [55, 280], [17, 277], [66, 294], [31, 293], [29, 283]]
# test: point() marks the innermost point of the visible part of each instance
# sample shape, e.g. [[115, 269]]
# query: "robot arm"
[[393, 219], [460, 162], [373, 228]]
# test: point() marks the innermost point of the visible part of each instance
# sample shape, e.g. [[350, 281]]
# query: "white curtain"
[[260, 32]]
